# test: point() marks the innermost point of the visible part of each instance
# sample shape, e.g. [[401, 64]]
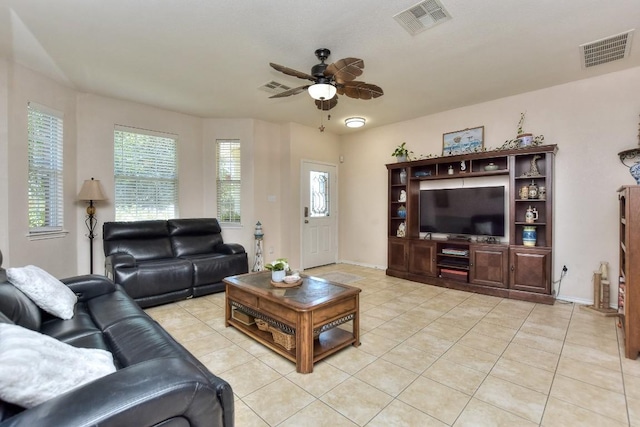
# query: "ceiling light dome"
[[322, 91], [355, 122]]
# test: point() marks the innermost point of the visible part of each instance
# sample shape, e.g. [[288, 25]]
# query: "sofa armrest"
[[148, 393], [117, 260], [89, 286], [230, 248]]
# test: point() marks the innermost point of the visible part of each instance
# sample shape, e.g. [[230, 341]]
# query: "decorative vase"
[[403, 176], [533, 190], [542, 192], [529, 235], [402, 211], [635, 172], [531, 215], [278, 276]]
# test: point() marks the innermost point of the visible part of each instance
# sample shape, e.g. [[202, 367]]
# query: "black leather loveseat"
[[157, 262], [157, 382]]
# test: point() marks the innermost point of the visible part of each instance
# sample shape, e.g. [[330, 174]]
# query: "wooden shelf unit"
[[629, 275], [510, 269]]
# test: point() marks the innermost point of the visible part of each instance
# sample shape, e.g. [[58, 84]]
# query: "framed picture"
[[463, 141]]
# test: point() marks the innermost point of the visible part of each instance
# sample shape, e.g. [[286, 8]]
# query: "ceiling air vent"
[[606, 50], [423, 15], [274, 87]]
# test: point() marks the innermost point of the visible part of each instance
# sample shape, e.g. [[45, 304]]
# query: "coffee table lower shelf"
[[327, 343]]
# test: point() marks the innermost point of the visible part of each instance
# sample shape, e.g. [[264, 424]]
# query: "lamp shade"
[[91, 190], [322, 91], [355, 122]]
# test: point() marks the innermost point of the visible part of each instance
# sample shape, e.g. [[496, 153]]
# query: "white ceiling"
[[208, 58]]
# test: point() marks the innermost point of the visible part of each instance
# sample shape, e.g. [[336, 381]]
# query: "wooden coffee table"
[[316, 307]]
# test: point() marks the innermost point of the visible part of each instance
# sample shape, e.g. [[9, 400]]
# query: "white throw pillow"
[[35, 367], [49, 293]]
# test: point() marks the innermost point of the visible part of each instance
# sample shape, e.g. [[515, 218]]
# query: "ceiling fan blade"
[[291, 72], [359, 90], [327, 105], [345, 70], [294, 91]]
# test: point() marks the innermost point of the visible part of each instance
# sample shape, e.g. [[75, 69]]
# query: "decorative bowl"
[[491, 167], [291, 279]]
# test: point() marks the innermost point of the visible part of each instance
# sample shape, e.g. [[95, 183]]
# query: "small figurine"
[[403, 196], [463, 166], [401, 230]]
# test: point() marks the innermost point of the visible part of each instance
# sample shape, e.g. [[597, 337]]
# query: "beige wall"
[[590, 120], [4, 161], [97, 117], [57, 255]]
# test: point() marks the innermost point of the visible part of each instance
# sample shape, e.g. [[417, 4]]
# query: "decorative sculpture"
[[258, 265]]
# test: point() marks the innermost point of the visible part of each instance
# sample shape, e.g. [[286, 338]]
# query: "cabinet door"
[[530, 270], [397, 255], [489, 266], [422, 257]]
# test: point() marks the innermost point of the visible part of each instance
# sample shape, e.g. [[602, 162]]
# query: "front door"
[[319, 214]]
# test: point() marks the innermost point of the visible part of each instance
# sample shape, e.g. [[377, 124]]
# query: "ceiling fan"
[[330, 80]]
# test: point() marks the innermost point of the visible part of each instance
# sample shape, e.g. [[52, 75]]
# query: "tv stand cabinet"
[[508, 269]]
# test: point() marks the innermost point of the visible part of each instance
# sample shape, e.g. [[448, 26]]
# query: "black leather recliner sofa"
[[157, 262], [157, 381]]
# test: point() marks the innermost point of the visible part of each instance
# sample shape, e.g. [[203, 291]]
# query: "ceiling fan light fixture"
[[355, 122], [322, 91]]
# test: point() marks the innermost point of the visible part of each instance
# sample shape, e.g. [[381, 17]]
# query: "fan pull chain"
[[321, 110]]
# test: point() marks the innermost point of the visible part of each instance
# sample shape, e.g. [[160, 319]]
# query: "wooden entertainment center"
[[505, 269]]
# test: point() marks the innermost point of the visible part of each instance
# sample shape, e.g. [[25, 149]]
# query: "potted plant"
[[525, 138], [278, 269], [401, 153]]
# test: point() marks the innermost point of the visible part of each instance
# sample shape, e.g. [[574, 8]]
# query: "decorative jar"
[[635, 172], [402, 211], [533, 190], [524, 192], [529, 235], [531, 215], [403, 176], [542, 192]]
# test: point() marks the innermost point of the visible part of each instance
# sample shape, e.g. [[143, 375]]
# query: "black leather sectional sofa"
[[157, 381], [157, 262]]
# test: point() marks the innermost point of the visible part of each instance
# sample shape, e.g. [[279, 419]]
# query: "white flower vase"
[[278, 276]]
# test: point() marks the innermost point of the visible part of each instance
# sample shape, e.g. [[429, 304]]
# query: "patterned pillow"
[[46, 291], [35, 367]]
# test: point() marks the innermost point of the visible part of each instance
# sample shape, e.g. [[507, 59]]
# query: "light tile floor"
[[429, 357]]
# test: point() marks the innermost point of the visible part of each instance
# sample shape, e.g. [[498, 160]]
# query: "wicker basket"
[[288, 341], [262, 325]]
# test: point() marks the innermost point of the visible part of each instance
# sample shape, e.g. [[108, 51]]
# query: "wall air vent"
[[274, 87], [423, 15], [606, 50]]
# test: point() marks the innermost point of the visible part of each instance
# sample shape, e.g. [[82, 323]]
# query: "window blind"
[[145, 172], [228, 181], [45, 139]]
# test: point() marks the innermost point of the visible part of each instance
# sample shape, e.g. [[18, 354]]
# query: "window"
[[146, 177], [319, 191], [228, 181], [45, 169]]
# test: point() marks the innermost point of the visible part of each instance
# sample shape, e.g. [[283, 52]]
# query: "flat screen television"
[[474, 211]]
